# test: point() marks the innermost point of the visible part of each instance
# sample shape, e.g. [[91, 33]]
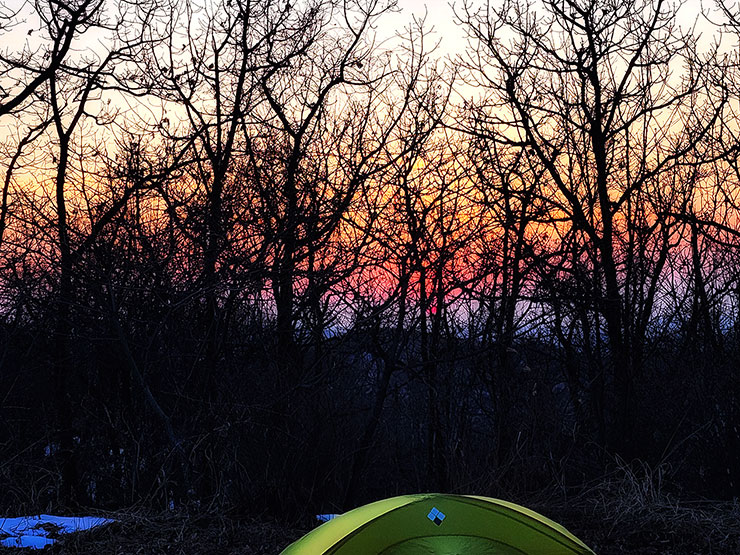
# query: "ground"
[[700, 528]]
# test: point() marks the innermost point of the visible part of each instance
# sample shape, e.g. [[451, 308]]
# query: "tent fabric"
[[439, 524]]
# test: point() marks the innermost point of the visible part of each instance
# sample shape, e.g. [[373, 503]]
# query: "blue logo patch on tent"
[[436, 516]]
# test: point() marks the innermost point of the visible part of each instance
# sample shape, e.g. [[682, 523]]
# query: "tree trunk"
[[64, 370]]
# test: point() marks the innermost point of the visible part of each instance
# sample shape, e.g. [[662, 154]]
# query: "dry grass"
[[630, 511], [712, 528]]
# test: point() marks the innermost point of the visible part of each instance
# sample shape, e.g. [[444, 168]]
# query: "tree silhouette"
[[587, 89]]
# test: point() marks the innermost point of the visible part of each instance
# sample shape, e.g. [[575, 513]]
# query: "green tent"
[[436, 524]]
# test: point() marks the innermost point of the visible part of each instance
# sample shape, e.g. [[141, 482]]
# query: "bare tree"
[[588, 88], [328, 106], [421, 221], [202, 62], [74, 89], [24, 71]]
